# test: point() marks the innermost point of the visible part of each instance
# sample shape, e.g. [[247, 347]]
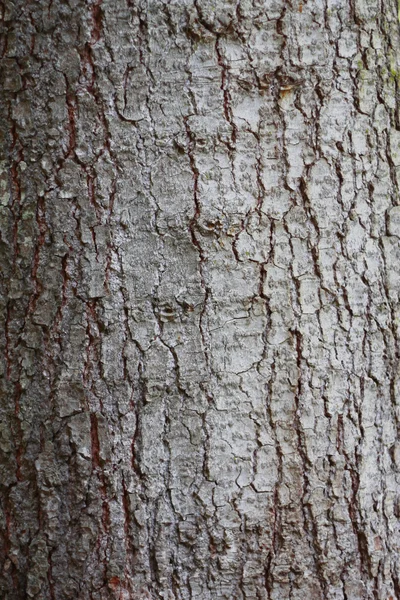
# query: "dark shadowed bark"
[[200, 262]]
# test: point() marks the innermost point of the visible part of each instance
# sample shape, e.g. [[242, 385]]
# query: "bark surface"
[[200, 262]]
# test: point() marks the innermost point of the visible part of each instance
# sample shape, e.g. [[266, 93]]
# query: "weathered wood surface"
[[200, 228]]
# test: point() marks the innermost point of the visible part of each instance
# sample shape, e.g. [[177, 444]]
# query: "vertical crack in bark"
[[71, 126], [309, 520], [193, 235], [97, 21]]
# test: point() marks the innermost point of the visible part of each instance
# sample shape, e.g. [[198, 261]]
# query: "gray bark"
[[200, 226]]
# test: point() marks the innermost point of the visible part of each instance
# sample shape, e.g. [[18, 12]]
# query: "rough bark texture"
[[200, 264]]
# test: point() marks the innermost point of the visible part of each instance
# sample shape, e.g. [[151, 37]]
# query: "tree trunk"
[[200, 228]]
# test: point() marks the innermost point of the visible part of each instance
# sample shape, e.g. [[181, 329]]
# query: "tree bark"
[[200, 226]]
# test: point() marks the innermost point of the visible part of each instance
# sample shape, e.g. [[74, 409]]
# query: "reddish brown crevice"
[[276, 530], [107, 269], [97, 19], [112, 198], [7, 349], [16, 203], [92, 199], [125, 504], [236, 239], [90, 178], [118, 587], [106, 522], [72, 108], [268, 576], [285, 91], [88, 67], [18, 458], [94, 435], [225, 91], [134, 460], [353, 513]]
